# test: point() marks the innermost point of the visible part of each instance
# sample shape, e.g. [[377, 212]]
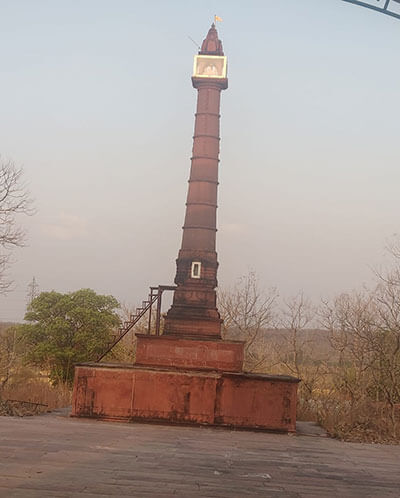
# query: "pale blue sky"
[[97, 105]]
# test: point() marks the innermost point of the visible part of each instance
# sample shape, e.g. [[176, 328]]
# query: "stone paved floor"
[[56, 456]]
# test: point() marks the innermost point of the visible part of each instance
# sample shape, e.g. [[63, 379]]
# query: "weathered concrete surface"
[[125, 392], [55, 456]]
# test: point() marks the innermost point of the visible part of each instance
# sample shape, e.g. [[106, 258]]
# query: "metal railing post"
[[158, 319], [150, 310]]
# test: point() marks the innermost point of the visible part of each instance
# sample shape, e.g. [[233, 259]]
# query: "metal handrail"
[[155, 295]]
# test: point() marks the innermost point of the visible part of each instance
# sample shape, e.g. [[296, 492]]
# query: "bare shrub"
[[365, 332], [349, 368], [14, 200], [247, 311], [11, 350], [35, 396], [25, 390], [298, 351]]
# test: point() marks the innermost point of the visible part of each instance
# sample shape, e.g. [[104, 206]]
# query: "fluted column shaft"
[[194, 312], [200, 221]]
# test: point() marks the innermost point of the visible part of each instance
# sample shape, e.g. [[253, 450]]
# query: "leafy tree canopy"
[[65, 329]]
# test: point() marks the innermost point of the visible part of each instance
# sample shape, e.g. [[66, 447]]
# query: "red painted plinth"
[[189, 353], [133, 392]]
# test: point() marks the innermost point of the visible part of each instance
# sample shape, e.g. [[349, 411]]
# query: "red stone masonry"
[[189, 353], [194, 310], [189, 374], [132, 392]]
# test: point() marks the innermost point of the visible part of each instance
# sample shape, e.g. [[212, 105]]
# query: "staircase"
[[154, 295]]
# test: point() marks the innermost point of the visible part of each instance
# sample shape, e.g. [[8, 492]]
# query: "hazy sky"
[[97, 106]]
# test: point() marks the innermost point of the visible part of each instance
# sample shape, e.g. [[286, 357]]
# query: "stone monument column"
[[189, 374], [194, 312]]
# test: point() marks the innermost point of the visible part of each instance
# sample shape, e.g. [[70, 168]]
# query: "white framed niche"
[[195, 271]]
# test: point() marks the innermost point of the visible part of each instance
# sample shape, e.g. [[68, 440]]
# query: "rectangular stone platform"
[[176, 395], [173, 351]]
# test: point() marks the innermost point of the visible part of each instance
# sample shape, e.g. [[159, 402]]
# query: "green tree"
[[65, 329]]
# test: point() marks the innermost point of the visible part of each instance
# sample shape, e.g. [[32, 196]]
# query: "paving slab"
[[56, 456]]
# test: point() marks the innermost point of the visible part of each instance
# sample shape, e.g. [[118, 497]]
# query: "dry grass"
[[359, 421], [343, 404], [34, 396]]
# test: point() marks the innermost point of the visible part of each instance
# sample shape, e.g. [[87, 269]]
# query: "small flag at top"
[[217, 19]]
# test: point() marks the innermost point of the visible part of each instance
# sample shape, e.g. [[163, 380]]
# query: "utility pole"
[[32, 291]]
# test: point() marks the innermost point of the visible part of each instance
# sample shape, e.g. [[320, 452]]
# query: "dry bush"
[[247, 311], [11, 354], [35, 395], [365, 332], [299, 351], [14, 201], [25, 390], [349, 368], [360, 421]]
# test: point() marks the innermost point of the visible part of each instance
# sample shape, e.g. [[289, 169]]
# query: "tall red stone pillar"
[[189, 374], [192, 329], [194, 312]]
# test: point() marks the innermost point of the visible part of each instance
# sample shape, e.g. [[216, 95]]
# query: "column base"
[[147, 394], [192, 327], [187, 352]]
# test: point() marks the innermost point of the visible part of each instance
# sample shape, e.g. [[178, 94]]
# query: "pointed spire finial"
[[212, 45]]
